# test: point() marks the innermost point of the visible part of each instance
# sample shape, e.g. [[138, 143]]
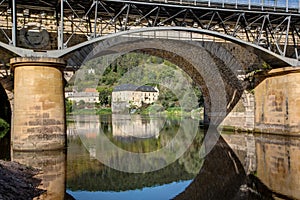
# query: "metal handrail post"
[[14, 24], [96, 19], [60, 32]]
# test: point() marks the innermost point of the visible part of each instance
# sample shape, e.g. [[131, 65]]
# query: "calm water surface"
[[273, 162], [88, 178]]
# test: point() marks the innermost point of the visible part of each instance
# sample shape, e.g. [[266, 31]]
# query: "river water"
[[156, 157]]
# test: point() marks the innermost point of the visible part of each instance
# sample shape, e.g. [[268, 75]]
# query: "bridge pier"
[[277, 102], [38, 114]]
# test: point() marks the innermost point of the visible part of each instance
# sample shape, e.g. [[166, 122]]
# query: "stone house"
[[89, 95], [128, 96]]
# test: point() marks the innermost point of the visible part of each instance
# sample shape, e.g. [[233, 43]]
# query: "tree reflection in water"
[[221, 175]]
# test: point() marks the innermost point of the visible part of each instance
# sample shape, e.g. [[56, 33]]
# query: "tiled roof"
[[146, 88], [90, 90], [125, 87]]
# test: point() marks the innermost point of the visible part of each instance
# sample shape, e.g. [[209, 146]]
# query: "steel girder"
[[278, 32]]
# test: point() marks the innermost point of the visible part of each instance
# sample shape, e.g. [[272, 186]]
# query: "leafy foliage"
[[105, 94], [4, 128], [89, 174], [69, 106], [136, 68]]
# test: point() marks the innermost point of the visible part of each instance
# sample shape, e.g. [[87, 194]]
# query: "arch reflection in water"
[[53, 171], [225, 173], [221, 175], [89, 179]]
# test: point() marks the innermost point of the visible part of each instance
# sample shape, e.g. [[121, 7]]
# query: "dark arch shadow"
[[5, 113]]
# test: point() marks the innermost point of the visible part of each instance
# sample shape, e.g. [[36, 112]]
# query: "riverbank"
[[170, 112], [99, 111], [18, 182]]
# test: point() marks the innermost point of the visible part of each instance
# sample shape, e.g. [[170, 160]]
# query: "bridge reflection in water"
[[53, 171], [223, 174]]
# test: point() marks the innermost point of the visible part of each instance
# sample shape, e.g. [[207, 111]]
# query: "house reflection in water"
[[128, 126], [87, 127], [120, 125]]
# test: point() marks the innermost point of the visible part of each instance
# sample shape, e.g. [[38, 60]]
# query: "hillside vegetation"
[[138, 69]]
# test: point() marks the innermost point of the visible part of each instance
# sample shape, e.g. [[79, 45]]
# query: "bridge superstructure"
[[41, 38], [48, 28]]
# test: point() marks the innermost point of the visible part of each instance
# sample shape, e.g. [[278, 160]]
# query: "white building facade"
[[88, 96], [127, 96]]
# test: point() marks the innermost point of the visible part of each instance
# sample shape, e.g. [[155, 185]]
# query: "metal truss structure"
[[276, 30]]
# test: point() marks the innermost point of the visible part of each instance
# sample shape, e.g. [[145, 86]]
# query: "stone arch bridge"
[[225, 49]]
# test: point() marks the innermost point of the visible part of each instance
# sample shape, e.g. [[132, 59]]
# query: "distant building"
[[89, 95], [126, 96], [91, 71], [69, 92]]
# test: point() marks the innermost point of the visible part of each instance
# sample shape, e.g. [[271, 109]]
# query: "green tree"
[[105, 94], [138, 68], [69, 106], [4, 127], [81, 104]]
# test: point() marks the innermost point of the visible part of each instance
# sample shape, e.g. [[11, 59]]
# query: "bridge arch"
[[200, 60], [268, 56], [232, 59], [275, 60]]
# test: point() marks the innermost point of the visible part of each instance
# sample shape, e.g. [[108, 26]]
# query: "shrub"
[[4, 128]]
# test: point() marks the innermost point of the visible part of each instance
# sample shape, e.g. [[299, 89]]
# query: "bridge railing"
[[274, 5], [177, 35]]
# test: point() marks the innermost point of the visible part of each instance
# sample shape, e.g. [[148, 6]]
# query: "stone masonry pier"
[[39, 114]]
